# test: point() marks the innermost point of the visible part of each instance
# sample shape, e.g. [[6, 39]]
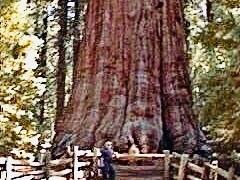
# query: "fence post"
[[3, 173], [166, 164], [78, 172], [75, 163], [95, 162], [42, 160], [231, 173], [183, 166], [47, 163], [42, 156], [9, 168]]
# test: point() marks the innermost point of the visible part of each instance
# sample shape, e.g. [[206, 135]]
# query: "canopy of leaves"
[[214, 52], [20, 89], [22, 85]]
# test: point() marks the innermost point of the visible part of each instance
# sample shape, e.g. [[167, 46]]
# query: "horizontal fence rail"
[[85, 163]]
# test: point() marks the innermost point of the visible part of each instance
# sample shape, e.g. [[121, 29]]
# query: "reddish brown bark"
[[131, 78], [78, 30], [178, 117]]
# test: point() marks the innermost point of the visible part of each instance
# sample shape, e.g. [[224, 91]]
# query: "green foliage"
[[24, 81], [19, 87], [214, 51]]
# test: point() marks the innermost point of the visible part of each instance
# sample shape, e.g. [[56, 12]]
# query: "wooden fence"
[[77, 167], [84, 163], [188, 169]]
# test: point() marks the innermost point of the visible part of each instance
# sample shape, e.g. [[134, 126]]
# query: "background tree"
[[20, 88], [214, 48], [61, 64]]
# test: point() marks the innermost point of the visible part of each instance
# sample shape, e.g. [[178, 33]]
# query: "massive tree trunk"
[[132, 83]]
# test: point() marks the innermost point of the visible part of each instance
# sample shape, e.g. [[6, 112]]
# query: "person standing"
[[108, 171]]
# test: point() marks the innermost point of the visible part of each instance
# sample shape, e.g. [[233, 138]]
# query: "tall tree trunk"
[[132, 83], [209, 10], [179, 124], [43, 63], [78, 30], [61, 65]]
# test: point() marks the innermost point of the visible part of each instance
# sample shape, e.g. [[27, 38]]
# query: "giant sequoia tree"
[[132, 83]]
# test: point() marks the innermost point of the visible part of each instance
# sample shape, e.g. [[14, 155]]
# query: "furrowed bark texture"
[[132, 83]]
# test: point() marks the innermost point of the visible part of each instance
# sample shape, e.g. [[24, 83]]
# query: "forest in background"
[[39, 44]]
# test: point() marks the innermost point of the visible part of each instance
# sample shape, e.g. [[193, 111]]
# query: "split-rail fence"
[[84, 164]]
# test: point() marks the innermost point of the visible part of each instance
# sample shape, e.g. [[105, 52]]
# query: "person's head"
[[108, 145]]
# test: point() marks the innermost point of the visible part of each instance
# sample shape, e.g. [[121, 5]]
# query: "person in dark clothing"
[[108, 171]]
